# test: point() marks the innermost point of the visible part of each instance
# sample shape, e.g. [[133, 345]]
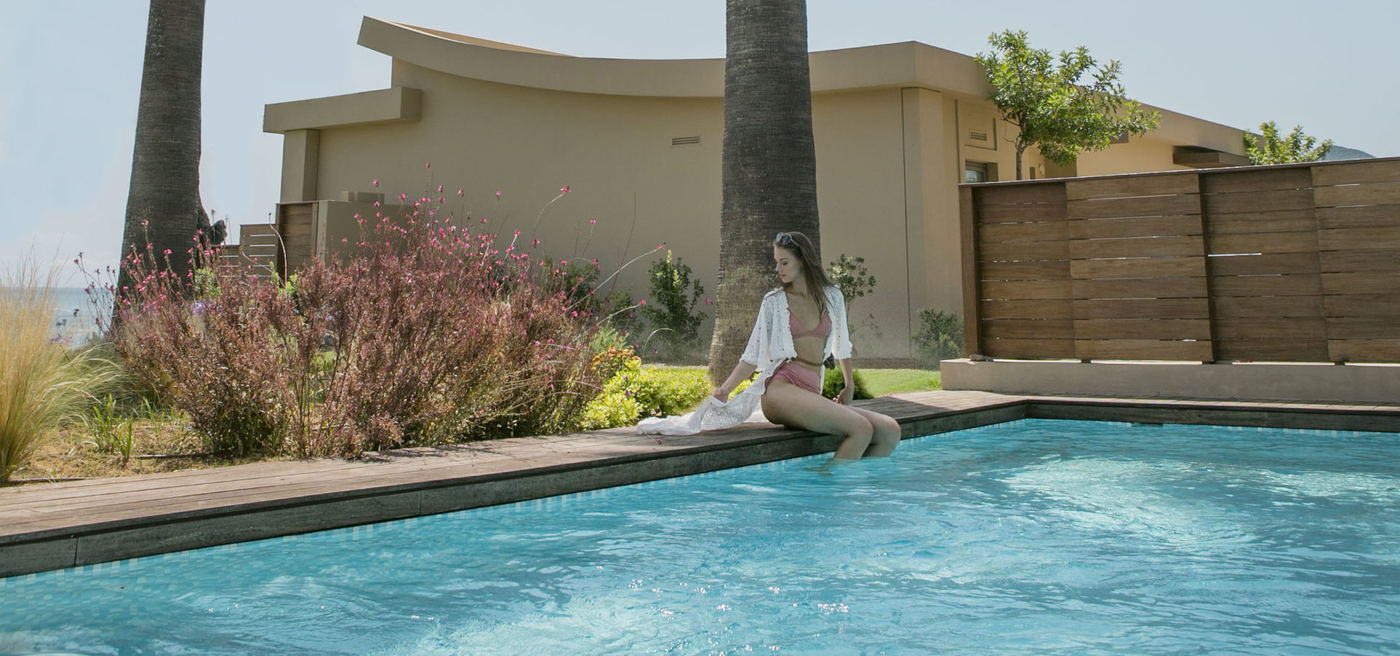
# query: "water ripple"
[[1036, 537]]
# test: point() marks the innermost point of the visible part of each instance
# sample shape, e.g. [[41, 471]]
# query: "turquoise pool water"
[[1031, 537]]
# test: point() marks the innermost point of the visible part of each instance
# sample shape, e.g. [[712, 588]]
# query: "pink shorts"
[[799, 375]]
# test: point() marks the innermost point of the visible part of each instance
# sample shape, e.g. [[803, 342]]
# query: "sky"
[[70, 76]]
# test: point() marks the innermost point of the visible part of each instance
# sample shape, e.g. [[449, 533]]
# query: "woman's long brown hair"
[[817, 281]]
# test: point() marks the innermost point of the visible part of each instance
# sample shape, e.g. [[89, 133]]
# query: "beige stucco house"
[[897, 128]]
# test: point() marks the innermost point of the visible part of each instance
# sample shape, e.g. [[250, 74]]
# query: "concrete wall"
[[616, 155], [613, 152], [1140, 154]]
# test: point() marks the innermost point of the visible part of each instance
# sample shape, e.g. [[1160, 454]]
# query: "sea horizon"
[[73, 318]]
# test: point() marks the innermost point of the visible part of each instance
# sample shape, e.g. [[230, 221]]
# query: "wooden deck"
[[53, 526]]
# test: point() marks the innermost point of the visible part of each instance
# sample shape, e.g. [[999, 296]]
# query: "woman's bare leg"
[[887, 433], [792, 406]]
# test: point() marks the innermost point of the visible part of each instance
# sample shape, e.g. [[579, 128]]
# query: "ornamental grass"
[[43, 384]]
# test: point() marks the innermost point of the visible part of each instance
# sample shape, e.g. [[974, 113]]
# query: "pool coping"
[[60, 525]]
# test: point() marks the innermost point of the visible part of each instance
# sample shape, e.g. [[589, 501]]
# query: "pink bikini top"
[[822, 330]]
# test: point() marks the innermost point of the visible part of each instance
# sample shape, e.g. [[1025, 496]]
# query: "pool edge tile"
[[38, 556]]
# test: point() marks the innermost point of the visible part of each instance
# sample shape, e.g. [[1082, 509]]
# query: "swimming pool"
[[1034, 536]]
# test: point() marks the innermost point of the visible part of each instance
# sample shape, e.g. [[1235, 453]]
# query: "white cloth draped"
[[769, 345]]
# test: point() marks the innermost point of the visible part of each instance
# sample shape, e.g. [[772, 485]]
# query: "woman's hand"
[[721, 394], [844, 398]]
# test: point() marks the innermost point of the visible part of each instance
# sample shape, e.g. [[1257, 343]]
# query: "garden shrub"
[[666, 391], [574, 279], [620, 314], [854, 280], [635, 391], [216, 357], [609, 349], [427, 333], [851, 277], [615, 405], [611, 409], [833, 381], [939, 337], [671, 314]]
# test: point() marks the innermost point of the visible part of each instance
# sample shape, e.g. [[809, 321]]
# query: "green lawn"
[[888, 381]]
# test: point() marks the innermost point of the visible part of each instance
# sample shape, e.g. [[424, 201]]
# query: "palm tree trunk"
[[769, 163], [163, 208]]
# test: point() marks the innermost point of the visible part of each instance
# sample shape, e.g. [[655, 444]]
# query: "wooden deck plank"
[[199, 489], [269, 481], [354, 475]]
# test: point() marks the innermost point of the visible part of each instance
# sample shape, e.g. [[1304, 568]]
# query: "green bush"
[[620, 314], [939, 337], [618, 366], [608, 342], [635, 391], [575, 280], [833, 381], [610, 409], [663, 391], [675, 324], [854, 280]]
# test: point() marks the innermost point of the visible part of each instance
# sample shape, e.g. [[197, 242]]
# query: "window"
[[977, 172]]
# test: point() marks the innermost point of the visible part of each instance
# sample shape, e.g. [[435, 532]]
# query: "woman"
[[798, 324]]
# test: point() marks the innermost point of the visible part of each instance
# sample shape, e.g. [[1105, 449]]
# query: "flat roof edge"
[[392, 105]]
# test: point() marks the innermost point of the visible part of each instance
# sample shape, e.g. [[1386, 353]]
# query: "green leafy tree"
[[1050, 105], [1269, 148]]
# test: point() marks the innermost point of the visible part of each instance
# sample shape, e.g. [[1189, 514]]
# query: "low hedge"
[[635, 391]]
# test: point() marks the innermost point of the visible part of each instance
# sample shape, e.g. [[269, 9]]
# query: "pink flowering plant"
[[426, 332]]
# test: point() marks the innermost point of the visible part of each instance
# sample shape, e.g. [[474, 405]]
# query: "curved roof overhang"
[[894, 65], [908, 64]]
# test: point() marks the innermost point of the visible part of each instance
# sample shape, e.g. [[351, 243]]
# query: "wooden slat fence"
[[1292, 263], [257, 249], [295, 221]]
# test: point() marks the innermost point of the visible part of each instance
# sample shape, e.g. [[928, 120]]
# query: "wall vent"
[[977, 135], [685, 141]]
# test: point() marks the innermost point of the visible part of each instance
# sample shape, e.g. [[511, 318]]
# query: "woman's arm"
[[741, 373], [841, 342], [847, 392], [755, 351]]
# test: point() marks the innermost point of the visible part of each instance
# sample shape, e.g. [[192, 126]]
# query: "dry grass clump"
[[43, 384]]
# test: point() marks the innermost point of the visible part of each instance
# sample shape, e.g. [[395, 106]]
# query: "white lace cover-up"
[[769, 345]]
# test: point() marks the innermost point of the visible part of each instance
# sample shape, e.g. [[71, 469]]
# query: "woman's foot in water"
[[833, 463]]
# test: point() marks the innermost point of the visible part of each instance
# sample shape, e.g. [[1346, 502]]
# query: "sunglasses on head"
[[785, 239]]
